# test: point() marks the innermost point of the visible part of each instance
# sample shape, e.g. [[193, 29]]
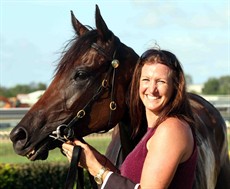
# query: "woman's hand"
[[89, 156]]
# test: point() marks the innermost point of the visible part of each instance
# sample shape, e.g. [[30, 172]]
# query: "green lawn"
[[7, 154]]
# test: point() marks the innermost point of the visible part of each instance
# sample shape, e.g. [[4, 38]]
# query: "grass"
[[7, 154]]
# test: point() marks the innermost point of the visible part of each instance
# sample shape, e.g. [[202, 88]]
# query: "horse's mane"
[[75, 48]]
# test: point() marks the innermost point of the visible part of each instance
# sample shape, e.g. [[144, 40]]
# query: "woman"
[[167, 154]]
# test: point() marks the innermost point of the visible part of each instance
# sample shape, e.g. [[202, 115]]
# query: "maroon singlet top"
[[133, 165]]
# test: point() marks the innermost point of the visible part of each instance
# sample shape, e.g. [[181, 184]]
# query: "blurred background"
[[34, 33]]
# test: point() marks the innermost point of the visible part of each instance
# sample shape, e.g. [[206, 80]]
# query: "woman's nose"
[[152, 87]]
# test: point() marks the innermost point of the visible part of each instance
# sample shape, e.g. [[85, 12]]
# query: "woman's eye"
[[161, 81], [144, 79]]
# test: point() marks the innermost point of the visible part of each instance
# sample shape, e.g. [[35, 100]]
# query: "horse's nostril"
[[19, 137]]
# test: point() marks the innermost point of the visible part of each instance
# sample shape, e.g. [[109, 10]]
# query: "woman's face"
[[156, 86]]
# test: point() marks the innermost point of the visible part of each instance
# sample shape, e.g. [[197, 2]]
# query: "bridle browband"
[[65, 132]]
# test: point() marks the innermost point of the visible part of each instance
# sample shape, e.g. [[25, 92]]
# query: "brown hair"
[[178, 105]]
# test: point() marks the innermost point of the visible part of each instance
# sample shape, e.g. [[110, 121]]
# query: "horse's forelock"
[[75, 48]]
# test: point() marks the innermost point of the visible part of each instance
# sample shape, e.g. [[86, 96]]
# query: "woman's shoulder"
[[173, 129], [173, 124], [173, 134]]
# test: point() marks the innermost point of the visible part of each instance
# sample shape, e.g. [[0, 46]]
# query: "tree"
[[21, 88], [188, 79], [41, 86], [224, 87], [219, 86]]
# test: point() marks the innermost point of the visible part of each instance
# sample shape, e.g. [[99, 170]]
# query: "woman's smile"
[[151, 97], [155, 86]]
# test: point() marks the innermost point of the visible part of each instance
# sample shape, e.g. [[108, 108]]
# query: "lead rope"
[[74, 173]]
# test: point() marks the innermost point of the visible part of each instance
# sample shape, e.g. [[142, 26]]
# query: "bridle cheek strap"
[[68, 128], [113, 104]]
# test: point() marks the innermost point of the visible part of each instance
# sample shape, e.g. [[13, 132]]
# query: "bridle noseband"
[[65, 132]]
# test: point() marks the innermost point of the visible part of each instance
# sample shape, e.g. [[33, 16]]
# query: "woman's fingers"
[[79, 143], [68, 150], [89, 156], [67, 147]]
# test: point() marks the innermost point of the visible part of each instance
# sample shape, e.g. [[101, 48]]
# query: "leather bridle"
[[65, 132]]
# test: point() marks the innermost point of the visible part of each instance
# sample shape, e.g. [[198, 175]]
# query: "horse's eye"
[[81, 75]]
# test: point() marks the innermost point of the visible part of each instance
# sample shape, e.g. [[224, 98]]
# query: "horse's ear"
[[102, 28], [79, 28]]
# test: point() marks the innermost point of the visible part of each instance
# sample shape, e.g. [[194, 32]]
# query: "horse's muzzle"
[[19, 137]]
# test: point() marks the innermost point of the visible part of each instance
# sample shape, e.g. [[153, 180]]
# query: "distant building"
[[195, 88], [30, 98], [221, 102]]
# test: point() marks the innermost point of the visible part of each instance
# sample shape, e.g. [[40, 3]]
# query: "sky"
[[33, 34]]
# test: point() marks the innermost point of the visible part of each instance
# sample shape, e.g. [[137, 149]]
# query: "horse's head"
[[87, 94]]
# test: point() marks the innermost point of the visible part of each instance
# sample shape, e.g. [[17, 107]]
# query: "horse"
[[89, 93]]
